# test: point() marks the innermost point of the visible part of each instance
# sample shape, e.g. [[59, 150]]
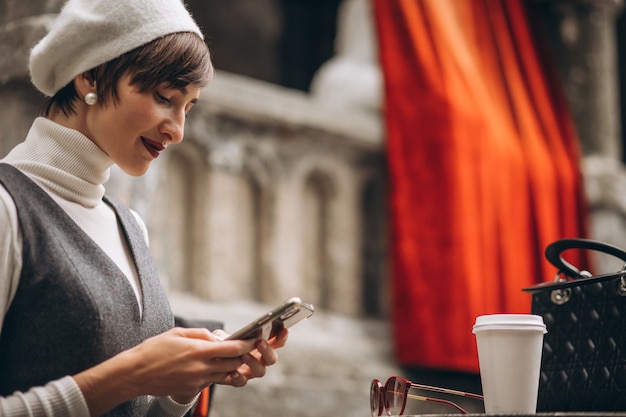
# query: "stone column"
[[583, 37]]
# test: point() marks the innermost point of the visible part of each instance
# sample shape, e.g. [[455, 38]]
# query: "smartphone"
[[271, 323]]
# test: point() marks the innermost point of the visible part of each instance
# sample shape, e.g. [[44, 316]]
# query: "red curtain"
[[484, 170]]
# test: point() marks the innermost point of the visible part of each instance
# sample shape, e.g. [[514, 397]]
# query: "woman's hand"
[[179, 363], [255, 362]]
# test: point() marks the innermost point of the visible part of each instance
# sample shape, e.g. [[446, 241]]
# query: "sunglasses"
[[391, 397]]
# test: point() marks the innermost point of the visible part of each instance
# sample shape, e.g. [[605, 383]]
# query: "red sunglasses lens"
[[395, 396], [376, 398]]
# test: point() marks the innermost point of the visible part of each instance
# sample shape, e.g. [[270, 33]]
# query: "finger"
[[253, 367], [193, 333], [222, 378], [228, 349], [237, 379], [234, 378], [280, 339], [221, 333], [268, 354], [226, 365], [198, 333]]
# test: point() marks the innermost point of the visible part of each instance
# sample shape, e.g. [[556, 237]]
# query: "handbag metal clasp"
[[562, 295]]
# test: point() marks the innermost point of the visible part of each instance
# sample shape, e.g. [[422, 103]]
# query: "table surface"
[[559, 414]]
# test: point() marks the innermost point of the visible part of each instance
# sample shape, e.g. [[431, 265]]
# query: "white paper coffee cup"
[[509, 356]]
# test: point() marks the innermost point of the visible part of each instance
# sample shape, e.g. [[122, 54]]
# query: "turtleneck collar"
[[63, 161]]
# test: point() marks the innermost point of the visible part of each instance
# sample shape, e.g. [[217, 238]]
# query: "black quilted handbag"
[[583, 365]]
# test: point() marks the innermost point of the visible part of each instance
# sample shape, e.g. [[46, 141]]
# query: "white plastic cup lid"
[[509, 322]]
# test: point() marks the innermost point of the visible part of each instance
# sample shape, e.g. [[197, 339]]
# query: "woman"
[[85, 326]]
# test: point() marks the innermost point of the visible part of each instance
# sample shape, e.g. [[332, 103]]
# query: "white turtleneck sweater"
[[72, 170]]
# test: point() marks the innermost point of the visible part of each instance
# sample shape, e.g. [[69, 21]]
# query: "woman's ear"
[[84, 84]]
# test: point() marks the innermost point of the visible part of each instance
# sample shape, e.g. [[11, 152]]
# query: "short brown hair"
[[178, 59]]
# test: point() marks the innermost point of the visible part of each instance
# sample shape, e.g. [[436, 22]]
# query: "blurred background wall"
[[280, 186]]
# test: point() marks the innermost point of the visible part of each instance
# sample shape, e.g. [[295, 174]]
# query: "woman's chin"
[[135, 170]]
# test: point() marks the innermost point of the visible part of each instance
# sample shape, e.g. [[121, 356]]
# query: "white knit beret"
[[88, 33]]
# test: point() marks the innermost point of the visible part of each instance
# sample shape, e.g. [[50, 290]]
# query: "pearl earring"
[[91, 98]]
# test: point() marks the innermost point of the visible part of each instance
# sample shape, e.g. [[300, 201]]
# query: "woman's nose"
[[174, 127]]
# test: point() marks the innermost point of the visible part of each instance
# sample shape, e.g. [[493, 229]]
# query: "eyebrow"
[[184, 90]]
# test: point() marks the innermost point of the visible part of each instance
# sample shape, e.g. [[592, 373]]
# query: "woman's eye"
[[160, 98]]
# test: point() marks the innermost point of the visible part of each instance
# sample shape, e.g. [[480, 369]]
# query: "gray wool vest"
[[73, 308]]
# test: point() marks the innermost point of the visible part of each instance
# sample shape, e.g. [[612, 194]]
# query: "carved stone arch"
[[327, 234], [318, 194], [261, 172], [374, 241], [239, 222]]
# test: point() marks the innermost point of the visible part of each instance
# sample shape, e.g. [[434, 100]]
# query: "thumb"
[[198, 333]]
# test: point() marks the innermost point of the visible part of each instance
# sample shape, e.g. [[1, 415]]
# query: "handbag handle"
[[554, 250]]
